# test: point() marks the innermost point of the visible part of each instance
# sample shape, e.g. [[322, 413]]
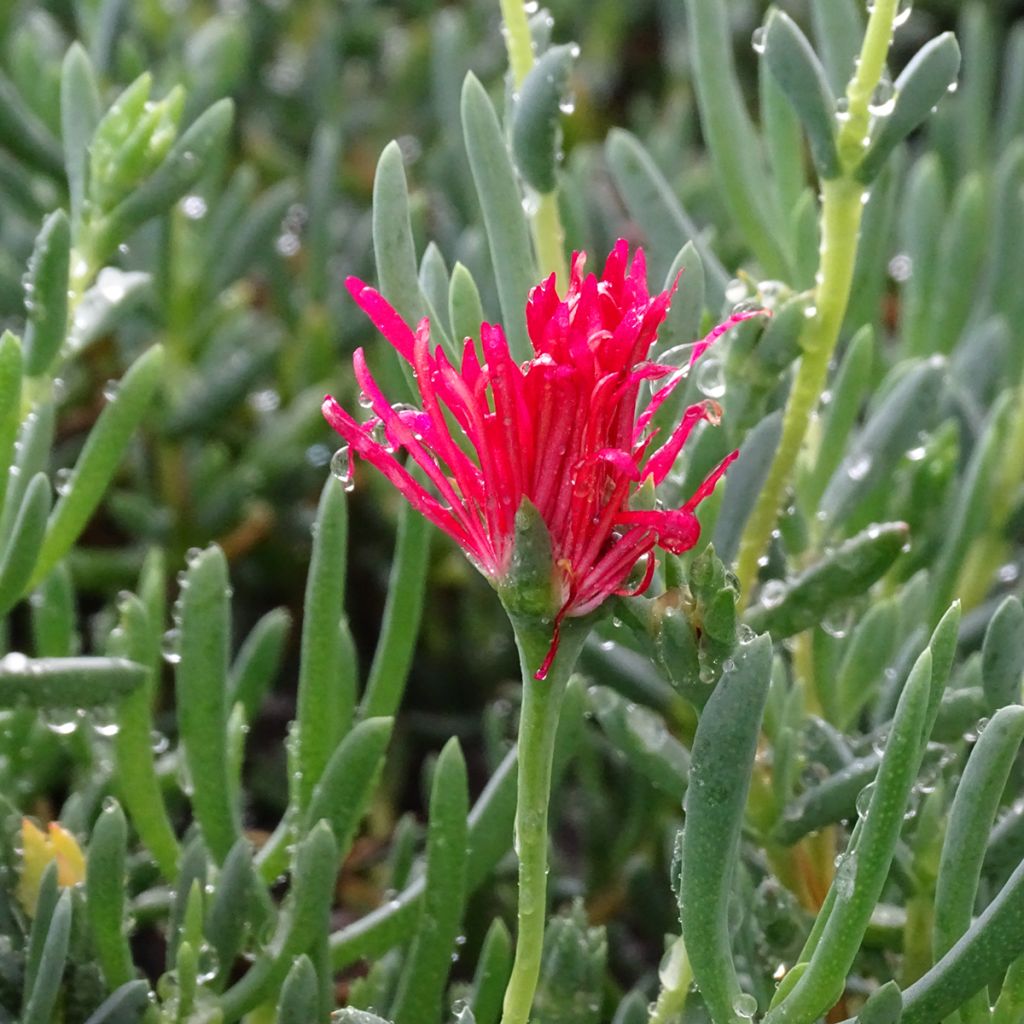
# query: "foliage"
[[796, 785]]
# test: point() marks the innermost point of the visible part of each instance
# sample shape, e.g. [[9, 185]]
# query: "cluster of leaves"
[[852, 827]]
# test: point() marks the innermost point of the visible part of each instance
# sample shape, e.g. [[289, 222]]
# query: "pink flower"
[[563, 430]]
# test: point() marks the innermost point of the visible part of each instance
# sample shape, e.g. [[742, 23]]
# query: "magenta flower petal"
[[563, 431]]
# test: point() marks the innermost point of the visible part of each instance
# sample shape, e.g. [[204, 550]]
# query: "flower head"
[[39, 848], [562, 432]]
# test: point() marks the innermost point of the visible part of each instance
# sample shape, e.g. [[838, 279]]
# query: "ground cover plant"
[[654, 654]]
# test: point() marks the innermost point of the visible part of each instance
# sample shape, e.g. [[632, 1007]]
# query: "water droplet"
[[864, 799], [194, 207], [711, 378], [837, 623], [859, 468], [903, 9], [110, 389], [673, 963], [842, 109], [883, 99], [531, 202], [209, 964], [62, 721], [341, 467], [1008, 573], [318, 455], [287, 244], [901, 267], [530, 7], [736, 291], [772, 593], [63, 479], [758, 38], [846, 874], [104, 723], [952, 87], [879, 742], [170, 646], [364, 400], [744, 1006], [264, 401], [771, 293], [14, 662]]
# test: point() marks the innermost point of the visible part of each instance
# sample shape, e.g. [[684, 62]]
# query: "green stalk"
[[841, 209], [538, 724], [545, 220]]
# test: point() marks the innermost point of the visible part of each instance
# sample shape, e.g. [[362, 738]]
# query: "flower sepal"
[[530, 588]]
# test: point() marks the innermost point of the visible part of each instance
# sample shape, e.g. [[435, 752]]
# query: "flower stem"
[[841, 208], [545, 220], [538, 723], [517, 39]]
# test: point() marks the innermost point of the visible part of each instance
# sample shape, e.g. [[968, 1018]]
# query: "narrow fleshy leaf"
[[105, 892], [801, 77], [298, 1002], [303, 918], [139, 786], [846, 572], [924, 81], [79, 114], [201, 688], [325, 706], [504, 219], [23, 546], [345, 787], [43, 993], [1002, 654], [656, 208], [393, 656], [46, 294], [723, 759], [58, 683], [180, 169], [492, 973], [731, 138], [430, 959], [536, 117], [99, 459], [975, 804], [862, 873]]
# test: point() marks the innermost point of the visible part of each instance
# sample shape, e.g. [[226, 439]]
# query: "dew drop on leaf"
[[341, 467]]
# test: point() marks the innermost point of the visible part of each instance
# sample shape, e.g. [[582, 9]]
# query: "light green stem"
[[545, 220], [842, 201], [538, 724], [517, 39]]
